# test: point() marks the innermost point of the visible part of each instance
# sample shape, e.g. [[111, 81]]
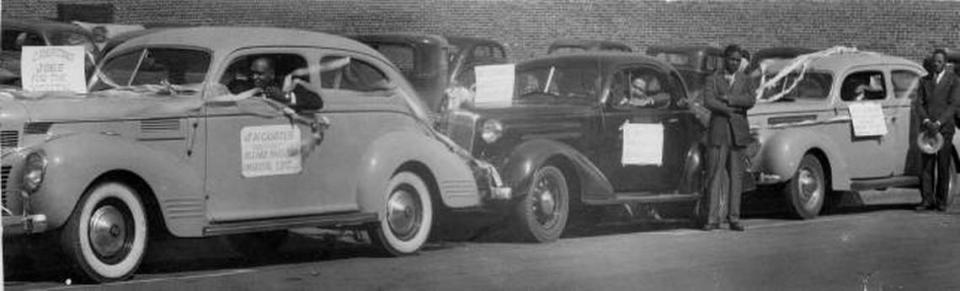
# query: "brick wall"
[[906, 28]]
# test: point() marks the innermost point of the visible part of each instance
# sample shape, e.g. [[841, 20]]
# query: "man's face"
[[261, 72], [638, 87], [938, 62], [732, 62]]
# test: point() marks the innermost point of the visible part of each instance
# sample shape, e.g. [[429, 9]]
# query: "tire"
[[257, 246], [406, 218], [806, 191], [106, 236], [953, 188], [541, 215]]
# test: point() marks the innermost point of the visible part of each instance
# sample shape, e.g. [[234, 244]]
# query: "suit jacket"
[[728, 104], [939, 101]]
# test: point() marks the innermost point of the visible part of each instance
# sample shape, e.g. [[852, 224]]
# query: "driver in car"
[[293, 91]]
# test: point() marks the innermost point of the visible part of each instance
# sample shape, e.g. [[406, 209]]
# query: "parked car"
[[559, 143], [162, 145], [777, 53], [434, 63], [580, 45], [808, 148], [695, 63], [37, 32]]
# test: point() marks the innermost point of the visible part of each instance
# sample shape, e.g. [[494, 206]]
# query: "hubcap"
[[545, 200], [108, 231], [810, 190], [404, 214]]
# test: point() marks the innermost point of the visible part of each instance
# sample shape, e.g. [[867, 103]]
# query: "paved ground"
[[886, 247]]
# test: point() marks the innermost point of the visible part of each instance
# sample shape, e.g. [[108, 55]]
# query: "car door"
[[678, 129], [905, 82], [261, 163], [869, 156]]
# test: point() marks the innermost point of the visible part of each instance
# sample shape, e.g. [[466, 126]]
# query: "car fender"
[[77, 160], [388, 153], [780, 154], [528, 156]]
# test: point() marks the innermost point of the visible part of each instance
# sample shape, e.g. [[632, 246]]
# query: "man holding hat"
[[936, 103]]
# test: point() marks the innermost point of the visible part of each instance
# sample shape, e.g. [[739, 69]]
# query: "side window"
[[345, 73], [263, 70], [865, 85], [482, 51], [400, 54], [642, 87], [14, 40], [498, 52], [905, 83], [711, 63]]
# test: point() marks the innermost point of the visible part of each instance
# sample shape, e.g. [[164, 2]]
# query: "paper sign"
[[495, 83], [270, 150], [642, 144], [53, 68], [868, 119]]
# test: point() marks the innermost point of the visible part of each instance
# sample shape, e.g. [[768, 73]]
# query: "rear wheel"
[[806, 191], [541, 215], [952, 188], [407, 219], [106, 236]]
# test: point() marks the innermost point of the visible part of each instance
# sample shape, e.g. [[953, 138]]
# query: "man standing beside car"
[[728, 94], [936, 104]]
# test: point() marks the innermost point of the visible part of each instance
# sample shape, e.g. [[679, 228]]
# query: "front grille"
[[9, 139], [4, 174], [461, 128]]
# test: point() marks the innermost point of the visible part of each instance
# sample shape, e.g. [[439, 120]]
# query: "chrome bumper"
[[21, 225]]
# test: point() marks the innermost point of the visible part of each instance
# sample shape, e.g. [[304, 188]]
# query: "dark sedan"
[[18, 33]]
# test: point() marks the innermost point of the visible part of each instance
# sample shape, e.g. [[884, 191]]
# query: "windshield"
[[812, 86], [153, 66], [557, 84], [73, 38]]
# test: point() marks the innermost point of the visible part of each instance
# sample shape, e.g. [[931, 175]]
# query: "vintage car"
[[37, 32], [163, 146], [580, 45], [560, 143], [434, 63], [808, 146], [695, 63]]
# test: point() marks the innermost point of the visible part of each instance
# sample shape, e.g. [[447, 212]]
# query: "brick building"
[[906, 28]]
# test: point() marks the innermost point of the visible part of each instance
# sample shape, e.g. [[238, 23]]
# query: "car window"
[[679, 60], [354, 75], [711, 63], [642, 87], [575, 83], [400, 55], [154, 66], [865, 85], [240, 76], [813, 86], [14, 39], [905, 83], [73, 38]]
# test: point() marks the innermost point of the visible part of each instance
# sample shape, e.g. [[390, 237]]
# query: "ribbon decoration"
[[800, 63]]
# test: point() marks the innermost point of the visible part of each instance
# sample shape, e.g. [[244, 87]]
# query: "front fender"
[[780, 155], [388, 153], [77, 160], [525, 158]]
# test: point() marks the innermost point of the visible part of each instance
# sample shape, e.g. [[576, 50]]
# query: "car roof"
[[43, 25], [605, 58], [228, 39], [586, 43], [402, 37], [841, 62], [466, 41]]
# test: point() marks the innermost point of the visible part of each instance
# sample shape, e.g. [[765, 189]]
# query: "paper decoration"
[[53, 68], [270, 150], [642, 144], [867, 119], [495, 83]]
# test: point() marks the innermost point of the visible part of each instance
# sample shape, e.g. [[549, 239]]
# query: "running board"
[[870, 184], [330, 220], [621, 198]]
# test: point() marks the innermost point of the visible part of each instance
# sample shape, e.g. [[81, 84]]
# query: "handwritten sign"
[[270, 150], [867, 119], [53, 68], [642, 144], [495, 83]]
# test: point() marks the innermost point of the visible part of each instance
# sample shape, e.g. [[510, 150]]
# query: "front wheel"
[[806, 191], [406, 221], [541, 214], [106, 236]]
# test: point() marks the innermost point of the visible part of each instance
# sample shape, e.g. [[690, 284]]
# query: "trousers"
[[725, 166], [934, 189]]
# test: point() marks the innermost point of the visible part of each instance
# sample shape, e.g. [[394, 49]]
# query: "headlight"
[[492, 130], [34, 169]]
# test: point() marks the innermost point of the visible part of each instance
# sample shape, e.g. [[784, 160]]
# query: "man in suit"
[[936, 105], [728, 94]]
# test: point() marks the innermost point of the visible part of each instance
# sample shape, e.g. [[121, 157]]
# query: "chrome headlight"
[[491, 131], [34, 169]]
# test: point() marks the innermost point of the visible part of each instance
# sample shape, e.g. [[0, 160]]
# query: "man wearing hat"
[[936, 103]]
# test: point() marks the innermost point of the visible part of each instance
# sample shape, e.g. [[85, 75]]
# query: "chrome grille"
[[9, 139], [461, 128], [4, 174]]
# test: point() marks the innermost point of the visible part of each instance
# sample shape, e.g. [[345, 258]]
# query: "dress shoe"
[[736, 226], [924, 207], [710, 226]]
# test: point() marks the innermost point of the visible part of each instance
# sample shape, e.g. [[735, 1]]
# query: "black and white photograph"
[[480, 145]]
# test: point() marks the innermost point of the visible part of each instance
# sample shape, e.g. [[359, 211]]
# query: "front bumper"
[[22, 225]]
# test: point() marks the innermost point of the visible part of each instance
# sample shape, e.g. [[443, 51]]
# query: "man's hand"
[[931, 126]]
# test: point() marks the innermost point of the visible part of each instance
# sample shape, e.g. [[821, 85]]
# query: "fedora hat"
[[928, 142]]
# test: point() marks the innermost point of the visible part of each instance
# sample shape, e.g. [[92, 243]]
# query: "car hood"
[[105, 105]]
